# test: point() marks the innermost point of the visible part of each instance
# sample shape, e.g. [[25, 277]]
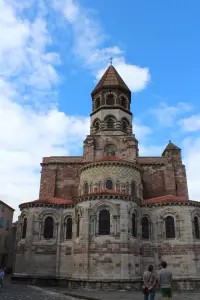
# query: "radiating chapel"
[[102, 217]]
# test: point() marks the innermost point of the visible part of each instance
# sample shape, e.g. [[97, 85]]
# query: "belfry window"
[[125, 124], [86, 188], [123, 102], [69, 229], [104, 222], [110, 100], [145, 228], [170, 227], [110, 123], [196, 228], [24, 228], [134, 227], [97, 103], [110, 150], [48, 228], [96, 125], [109, 184]]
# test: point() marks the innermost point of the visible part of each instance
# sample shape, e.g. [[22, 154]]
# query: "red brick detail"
[[147, 250], [152, 160], [48, 182], [67, 181], [62, 159], [109, 158]]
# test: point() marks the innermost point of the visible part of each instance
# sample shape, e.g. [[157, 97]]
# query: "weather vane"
[[111, 59]]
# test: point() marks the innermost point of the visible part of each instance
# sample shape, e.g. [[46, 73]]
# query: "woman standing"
[[149, 283]]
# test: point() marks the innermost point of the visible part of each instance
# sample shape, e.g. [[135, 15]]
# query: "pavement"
[[24, 292]]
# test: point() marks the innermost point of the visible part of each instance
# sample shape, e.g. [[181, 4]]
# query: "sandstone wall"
[[181, 253]]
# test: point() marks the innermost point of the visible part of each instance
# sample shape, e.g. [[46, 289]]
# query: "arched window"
[[134, 227], [110, 99], [123, 101], [110, 123], [118, 186], [97, 103], [196, 228], [170, 227], [69, 229], [78, 227], [110, 150], [48, 228], [133, 189], [104, 222], [125, 124], [127, 188], [96, 125], [24, 227], [86, 188], [145, 228], [109, 184]]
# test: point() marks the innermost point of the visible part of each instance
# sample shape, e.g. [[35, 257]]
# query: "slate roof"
[[111, 78]]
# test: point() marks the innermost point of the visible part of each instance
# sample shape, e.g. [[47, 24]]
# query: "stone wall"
[[118, 256], [94, 147], [181, 253]]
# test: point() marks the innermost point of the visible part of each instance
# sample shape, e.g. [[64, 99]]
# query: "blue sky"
[[53, 52]]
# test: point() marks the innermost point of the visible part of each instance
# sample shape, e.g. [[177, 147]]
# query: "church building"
[[103, 217]]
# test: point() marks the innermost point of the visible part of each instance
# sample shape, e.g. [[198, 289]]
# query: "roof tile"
[[111, 77], [52, 200], [166, 199]]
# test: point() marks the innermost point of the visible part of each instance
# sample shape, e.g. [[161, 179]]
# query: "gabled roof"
[[171, 146], [111, 78], [1, 202]]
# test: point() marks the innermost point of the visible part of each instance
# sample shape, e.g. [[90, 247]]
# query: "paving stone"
[[23, 292]]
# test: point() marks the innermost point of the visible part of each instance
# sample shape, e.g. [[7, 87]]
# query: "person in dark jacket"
[[149, 283]]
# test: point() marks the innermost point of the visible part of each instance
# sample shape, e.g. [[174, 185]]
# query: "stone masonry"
[[101, 218]]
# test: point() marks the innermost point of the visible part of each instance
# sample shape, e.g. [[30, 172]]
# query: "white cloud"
[[192, 162], [190, 124], [166, 114], [26, 138], [29, 131], [89, 40]]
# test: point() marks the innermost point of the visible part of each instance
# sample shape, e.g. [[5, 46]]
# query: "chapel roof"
[[51, 200], [111, 78], [166, 199]]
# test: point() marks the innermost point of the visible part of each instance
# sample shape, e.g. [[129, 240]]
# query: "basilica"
[[102, 217]]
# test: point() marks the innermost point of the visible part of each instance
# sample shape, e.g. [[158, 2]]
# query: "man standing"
[[1, 278], [165, 281], [149, 283]]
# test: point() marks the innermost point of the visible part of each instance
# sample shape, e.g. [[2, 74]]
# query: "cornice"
[[174, 203], [30, 205], [110, 196], [111, 107]]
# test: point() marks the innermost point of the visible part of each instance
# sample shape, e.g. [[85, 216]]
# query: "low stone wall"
[[187, 284]]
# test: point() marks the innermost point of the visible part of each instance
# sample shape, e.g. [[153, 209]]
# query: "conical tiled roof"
[[171, 146], [110, 78]]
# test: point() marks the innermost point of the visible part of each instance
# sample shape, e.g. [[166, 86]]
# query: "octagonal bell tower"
[[111, 120]]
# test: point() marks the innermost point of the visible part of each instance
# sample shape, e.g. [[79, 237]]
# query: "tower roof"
[[111, 78], [171, 146]]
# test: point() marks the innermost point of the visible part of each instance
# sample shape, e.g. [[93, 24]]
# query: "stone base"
[[180, 284]]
